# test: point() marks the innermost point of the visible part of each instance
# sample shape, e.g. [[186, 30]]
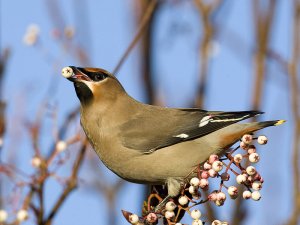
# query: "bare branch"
[[140, 31]]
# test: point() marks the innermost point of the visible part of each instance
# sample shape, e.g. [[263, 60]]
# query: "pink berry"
[[247, 138], [212, 158], [212, 173], [151, 217], [204, 174]]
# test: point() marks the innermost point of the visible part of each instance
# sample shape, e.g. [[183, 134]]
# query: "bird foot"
[[162, 204]]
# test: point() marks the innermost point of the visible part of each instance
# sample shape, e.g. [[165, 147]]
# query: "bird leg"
[[162, 203]]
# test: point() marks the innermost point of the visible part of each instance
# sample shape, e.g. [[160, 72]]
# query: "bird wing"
[[156, 128]]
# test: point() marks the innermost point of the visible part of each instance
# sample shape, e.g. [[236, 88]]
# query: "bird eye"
[[99, 77]]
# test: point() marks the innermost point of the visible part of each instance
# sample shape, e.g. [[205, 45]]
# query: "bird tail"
[[233, 133], [260, 125]]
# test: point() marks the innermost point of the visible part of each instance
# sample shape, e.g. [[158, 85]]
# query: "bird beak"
[[74, 74]]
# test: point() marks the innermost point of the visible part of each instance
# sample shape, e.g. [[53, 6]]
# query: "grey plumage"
[[149, 144]]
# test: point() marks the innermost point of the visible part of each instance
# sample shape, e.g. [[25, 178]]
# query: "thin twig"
[[71, 184], [140, 31], [205, 11], [294, 97]]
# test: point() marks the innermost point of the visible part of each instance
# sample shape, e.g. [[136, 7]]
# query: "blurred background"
[[212, 54]]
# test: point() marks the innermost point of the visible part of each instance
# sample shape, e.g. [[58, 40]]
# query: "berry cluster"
[[248, 180]]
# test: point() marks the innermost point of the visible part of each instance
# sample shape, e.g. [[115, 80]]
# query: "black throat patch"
[[83, 92]]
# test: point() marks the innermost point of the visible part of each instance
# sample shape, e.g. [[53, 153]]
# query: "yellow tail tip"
[[279, 122]]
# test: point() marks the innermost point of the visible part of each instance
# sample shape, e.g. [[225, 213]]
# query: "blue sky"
[[111, 26]]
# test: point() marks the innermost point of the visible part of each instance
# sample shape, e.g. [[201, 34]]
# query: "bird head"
[[93, 84]]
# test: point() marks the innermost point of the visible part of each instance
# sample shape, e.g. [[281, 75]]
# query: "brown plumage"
[[149, 144]]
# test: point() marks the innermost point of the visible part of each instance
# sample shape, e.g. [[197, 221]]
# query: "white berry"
[[216, 222], [22, 215], [243, 145], [238, 158], [262, 140], [170, 206], [67, 72], [251, 170], [219, 202], [241, 178], [3, 216], [247, 194], [206, 166], [217, 166], [221, 196], [61, 146], [254, 157], [203, 183], [36, 162], [247, 138], [183, 200], [213, 196], [194, 181], [193, 190], [255, 195], [197, 222], [169, 214], [133, 219], [196, 214], [257, 185], [232, 191]]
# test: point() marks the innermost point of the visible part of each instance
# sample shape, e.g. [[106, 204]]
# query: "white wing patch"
[[229, 120], [204, 121], [182, 135]]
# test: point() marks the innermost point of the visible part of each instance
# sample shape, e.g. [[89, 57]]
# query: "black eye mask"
[[95, 76]]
